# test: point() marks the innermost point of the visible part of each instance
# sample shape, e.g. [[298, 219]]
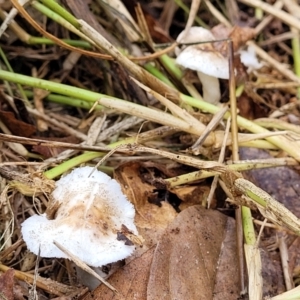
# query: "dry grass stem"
[[254, 272], [83, 266], [274, 11]]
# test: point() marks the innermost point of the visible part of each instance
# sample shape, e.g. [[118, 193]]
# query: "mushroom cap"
[[202, 57], [208, 62], [92, 210], [195, 34]]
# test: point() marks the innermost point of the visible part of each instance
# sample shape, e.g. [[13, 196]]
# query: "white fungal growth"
[[92, 210], [249, 59]]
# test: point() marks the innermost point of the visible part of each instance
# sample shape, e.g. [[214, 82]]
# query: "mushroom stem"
[[210, 88]]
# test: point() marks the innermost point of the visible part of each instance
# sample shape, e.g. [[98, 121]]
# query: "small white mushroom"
[[209, 63], [249, 59], [92, 212]]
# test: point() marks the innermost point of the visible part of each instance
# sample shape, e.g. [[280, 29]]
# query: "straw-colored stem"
[[88, 156], [278, 13], [186, 9], [90, 96], [281, 142], [202, 174]]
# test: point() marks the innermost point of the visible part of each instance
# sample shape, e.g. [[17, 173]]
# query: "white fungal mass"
[[91, 212]]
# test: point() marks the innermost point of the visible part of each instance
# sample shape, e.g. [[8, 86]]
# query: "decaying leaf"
[[151, 219], [195, 258], [6, 285], [130, 281], [191, 195], [238, 35], [16, 126]]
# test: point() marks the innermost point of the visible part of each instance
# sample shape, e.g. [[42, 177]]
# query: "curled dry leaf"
[[238, 35], [195, 258], [150, 219]]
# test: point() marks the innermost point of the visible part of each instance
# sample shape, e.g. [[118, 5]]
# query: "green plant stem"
[[44, 41], [259, 144], [64, 100], [55, 87], [170, 65], [296, 54], [158, 74], [118, 104], [88, 156], [8, 66], [54, 6], [71, 163], [248, 227], [281, 142], [59, 19], [187, 11], [259, 13]]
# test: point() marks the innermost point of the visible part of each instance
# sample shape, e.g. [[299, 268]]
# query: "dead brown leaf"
[[238, 35], [195, 258], [130, 281], [191, 195], [16, 126], [151, 219], [7, 285], [241, 35]]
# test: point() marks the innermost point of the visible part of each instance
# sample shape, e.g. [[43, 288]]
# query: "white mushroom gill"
[[92, 210]]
